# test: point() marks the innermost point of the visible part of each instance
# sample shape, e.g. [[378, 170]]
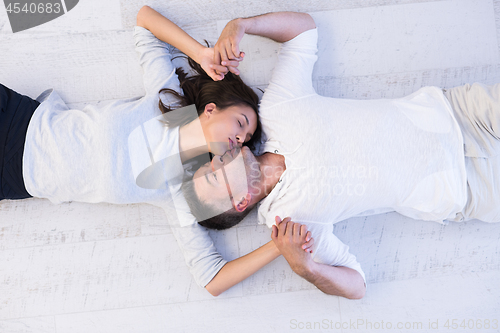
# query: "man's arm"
[[239, 269], [332, 280], [335, 280], [280, 27]]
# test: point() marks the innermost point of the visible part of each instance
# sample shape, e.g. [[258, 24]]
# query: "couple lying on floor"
[[306, 160]]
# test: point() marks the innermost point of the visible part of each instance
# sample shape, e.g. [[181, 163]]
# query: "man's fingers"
[[274, 232], [234, 70], [230, 63], [303, 231], [217, 59], [289, 228], [282, 224], [230, 54], [223, 54], [236, 51], [282, 228], [296, 230]]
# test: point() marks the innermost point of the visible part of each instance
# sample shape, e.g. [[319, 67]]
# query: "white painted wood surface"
[[108, 268]]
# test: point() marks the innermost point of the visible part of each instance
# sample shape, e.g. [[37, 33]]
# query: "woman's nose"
[[238, 139], [241, 140]]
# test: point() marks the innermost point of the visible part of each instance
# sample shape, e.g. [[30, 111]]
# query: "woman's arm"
[[170, 33], [239, 269]]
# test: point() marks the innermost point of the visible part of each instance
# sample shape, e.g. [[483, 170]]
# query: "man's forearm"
[[280, 26], [335, 280]]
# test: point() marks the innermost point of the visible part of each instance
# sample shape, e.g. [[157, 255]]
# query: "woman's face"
[[227, 128]]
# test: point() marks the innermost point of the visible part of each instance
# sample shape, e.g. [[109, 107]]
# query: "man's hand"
[[227, 48], [289, 238]]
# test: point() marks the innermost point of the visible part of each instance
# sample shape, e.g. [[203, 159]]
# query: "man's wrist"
[[306, 269], [244, 23]]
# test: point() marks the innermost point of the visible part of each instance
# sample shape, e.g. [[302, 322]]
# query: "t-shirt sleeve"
[[292, 76], [156, 62], [199, 252], [330, 250]]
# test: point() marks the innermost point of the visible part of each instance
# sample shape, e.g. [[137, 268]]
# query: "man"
[[326, 160]]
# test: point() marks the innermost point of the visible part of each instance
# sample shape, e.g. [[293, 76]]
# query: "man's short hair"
[[201, 210]]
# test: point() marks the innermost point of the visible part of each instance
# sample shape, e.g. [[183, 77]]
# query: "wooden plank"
[[265, 313], [80, 67], [426, 305], [29, 325], [92, 276], [392, 247], [205, 11], [38, 222]]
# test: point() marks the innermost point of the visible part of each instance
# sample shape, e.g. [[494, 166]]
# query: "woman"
[[50, 151], [87, 155]]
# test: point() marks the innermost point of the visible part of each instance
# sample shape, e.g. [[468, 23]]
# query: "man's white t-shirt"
[[347, 158]]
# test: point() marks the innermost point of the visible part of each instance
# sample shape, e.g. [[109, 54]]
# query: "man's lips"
[[231, 144], [233, 152]]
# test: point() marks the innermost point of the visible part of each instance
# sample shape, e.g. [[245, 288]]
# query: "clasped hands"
[[225, 56], [294, 242]]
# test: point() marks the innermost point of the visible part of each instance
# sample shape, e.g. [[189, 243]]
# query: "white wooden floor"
[[107, 268]]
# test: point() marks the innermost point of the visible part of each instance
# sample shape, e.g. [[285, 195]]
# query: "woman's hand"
[[289, 238], [206, 60], [227, 49], [169, 32], [308, 240]]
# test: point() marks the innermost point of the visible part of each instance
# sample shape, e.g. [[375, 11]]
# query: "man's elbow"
[[359, 293], [352, 293], [310, 22]]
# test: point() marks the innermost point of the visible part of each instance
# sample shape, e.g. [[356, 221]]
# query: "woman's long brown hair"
[[199, 89]]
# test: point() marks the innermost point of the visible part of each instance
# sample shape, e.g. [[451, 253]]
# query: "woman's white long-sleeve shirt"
[[84, 155]]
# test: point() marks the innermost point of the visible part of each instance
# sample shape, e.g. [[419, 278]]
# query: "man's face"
[[227, 179]]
